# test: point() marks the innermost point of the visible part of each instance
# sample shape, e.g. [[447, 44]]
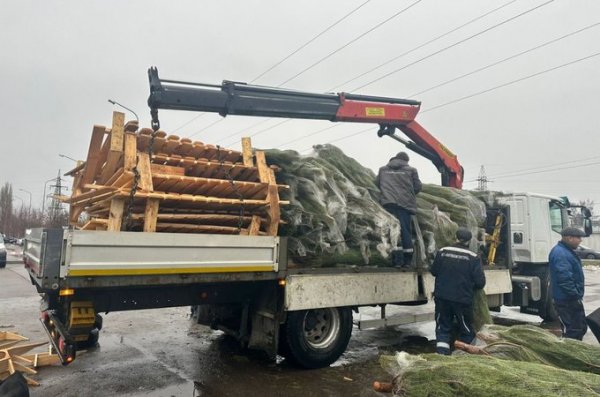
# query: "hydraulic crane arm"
[[249, 100]]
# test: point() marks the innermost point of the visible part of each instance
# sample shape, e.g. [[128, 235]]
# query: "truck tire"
[[316, 338]]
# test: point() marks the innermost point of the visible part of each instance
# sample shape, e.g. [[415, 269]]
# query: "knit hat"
[[463, 234], [402, 156]]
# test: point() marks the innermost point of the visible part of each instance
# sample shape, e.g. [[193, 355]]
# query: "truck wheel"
[[92, 340], [316, 338]]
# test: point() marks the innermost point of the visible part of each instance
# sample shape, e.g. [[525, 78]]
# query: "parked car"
[[587, 253], [2, 253]]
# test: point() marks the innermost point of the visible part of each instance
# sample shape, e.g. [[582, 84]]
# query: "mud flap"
[[264, 334]]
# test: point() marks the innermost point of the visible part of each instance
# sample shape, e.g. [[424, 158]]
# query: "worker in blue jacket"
[[567, 281], [458, 273]]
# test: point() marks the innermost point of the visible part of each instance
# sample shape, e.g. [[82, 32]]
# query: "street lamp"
[[67, 157], [29, 193]]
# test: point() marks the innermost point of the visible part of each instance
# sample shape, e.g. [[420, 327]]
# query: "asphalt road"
[[161, 353]]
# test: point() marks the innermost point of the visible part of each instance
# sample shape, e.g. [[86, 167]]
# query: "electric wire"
[[548, 170], [287, 57], [454, 44], [487, 90], [190, 121], [463, 40], [511, 82], [505, 59], [207, 127], [350, 42], [264, 130], [310, 41], [423, 45], [542, 167]]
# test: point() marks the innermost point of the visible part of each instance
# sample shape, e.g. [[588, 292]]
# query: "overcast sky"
[[62, 60]]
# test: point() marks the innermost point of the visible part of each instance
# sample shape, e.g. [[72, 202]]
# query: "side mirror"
[[586, 212], [587, 226]]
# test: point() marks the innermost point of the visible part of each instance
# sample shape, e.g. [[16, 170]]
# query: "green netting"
[[481, 311], [334, 216], [530, 343], [431, 375]]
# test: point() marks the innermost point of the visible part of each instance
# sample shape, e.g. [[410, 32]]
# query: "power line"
[[511, 82], [549, 170], [284, 59], [309, 135], [505, 59], [207, 127], [191, 121], [264, 130], [350, 42], [423, 45], [542, 167], [309, 41], [454, 45], [486, 91]]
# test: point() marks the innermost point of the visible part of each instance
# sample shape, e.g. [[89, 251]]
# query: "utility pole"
[[482, 180], [56, 211]]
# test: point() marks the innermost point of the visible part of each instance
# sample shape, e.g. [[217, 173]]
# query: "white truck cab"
[[536, 221]]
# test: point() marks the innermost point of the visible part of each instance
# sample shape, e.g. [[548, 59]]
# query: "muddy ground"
[[161, 352]]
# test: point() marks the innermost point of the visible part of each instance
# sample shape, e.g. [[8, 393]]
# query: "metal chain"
[[136, 174], [234, 186]]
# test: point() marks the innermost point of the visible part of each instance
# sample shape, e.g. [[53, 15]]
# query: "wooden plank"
[[79, 167], [150, 214], [167, 170], [94, 155], [115, 217], [130, 153], [145, 170], [117, 138], [247, 152], [261, 164], [254, 227], [274, 211]]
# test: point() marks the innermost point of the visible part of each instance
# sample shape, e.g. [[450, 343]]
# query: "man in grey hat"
[[458, 273], [567, 282], [399, 184]]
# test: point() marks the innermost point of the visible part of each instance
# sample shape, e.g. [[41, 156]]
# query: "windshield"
[[556, 217]]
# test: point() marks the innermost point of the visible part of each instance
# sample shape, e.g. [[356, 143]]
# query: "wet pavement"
[[161, 352]]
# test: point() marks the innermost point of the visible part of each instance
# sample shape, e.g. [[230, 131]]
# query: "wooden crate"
[[181, 186]]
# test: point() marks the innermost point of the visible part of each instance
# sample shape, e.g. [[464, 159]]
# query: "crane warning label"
[[375, 112]]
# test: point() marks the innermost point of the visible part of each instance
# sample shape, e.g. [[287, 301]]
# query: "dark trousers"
[[451, 316], [405, 219], [572, 318]]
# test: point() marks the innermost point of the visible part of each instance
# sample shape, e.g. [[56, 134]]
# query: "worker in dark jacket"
[[399, 184], [567, 280], [458, 273]]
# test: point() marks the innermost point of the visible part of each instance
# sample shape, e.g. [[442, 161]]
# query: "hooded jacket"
[[399, 184], [566, 273]]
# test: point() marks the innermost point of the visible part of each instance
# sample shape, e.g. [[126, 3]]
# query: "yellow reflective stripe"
[[174, 270]]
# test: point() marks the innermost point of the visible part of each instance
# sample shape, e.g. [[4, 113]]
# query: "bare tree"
[[6, 207]]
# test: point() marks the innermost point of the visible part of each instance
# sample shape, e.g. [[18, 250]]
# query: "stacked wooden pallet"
[[15, 356], [178, 185]]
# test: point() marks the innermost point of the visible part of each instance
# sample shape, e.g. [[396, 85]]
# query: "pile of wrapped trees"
[[132, 180], [136, 181], [334, 216], [522, 360]]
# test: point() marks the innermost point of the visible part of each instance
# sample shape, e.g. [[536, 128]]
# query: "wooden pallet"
[[182, 186], [15, 356]]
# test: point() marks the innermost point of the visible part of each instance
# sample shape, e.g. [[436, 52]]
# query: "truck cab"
[[536, 221]]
